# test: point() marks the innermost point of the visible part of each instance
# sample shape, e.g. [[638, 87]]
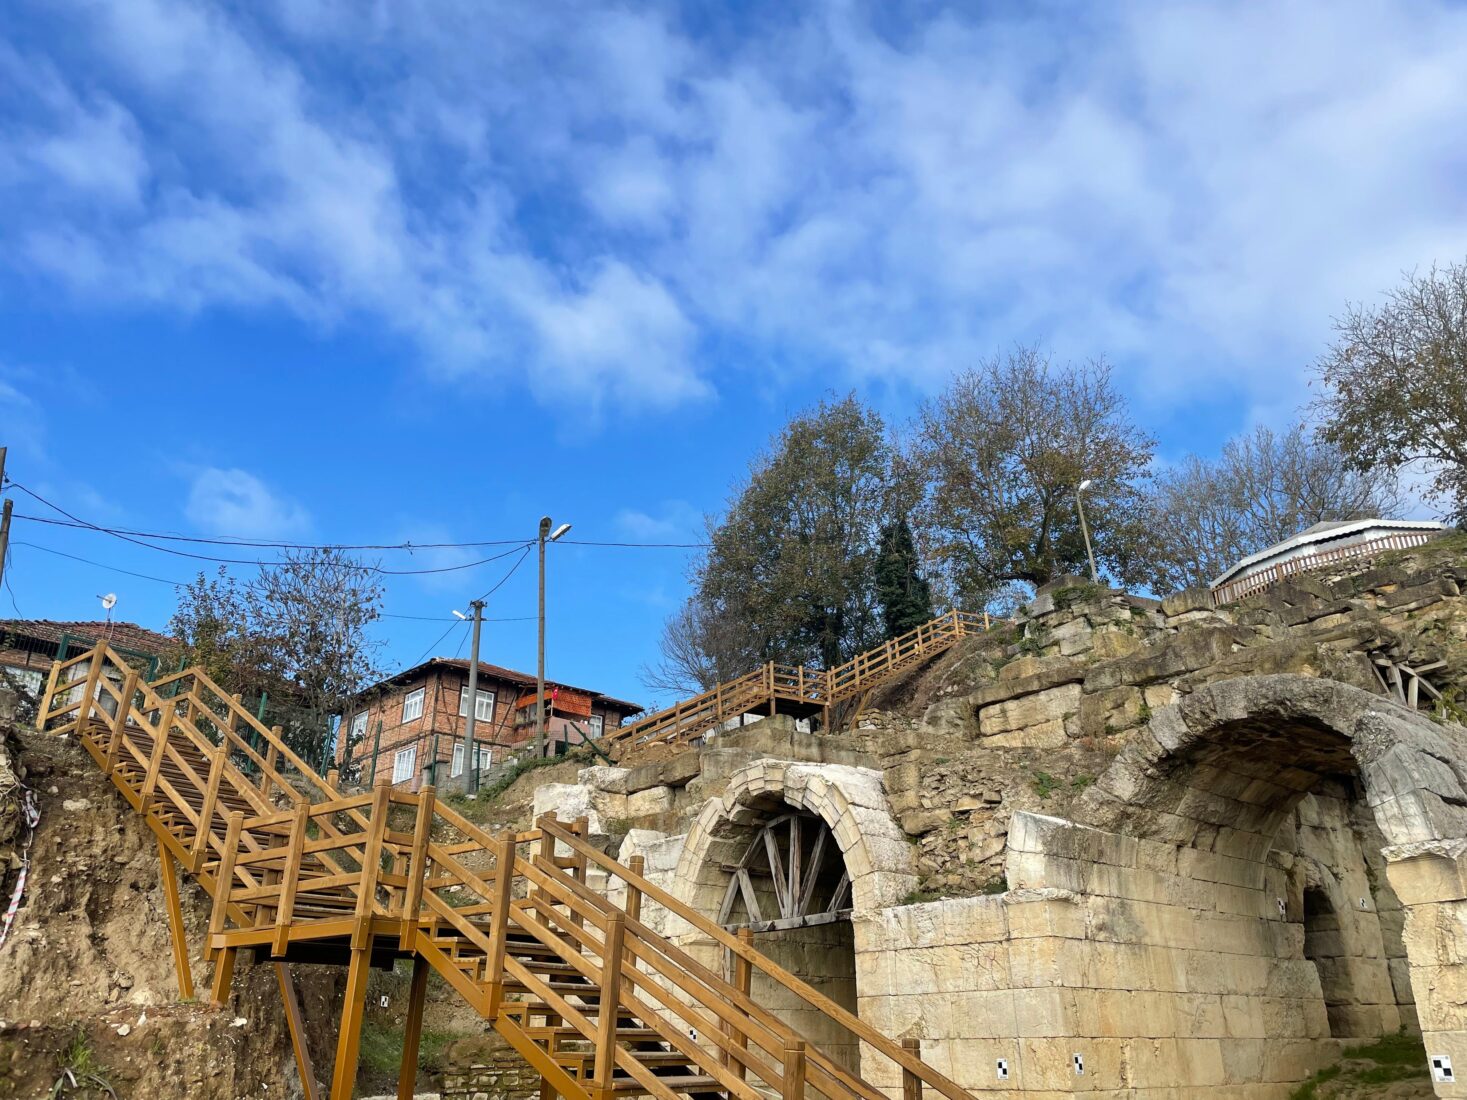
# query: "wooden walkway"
[[597, 1002], [792, 689]]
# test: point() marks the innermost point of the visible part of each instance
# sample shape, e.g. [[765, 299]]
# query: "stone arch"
[[851, 802], [1222, 769]]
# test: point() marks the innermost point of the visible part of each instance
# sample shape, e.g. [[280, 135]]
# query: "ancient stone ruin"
[[1120, 846]]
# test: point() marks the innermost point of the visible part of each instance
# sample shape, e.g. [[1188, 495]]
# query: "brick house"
[[413, 723]]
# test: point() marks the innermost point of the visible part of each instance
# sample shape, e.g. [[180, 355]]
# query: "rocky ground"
[[88, 993]]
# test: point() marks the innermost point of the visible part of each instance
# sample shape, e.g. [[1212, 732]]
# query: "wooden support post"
[[89, 692], [45, 707], [361, 936], [417, 869], [217, 762], [155, 762], [285, 910], [223, 976], [175, 923], [349, 1038], [582, 830], [794, 1070], [637, 864], [297, 1026], [742, 977], [407, 1076], [499, 938], [224, 880], [610, 1011], [119, 720], [911, 1083]]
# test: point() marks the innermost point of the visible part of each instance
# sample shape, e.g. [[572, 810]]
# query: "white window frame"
[[483, 711], [456, 767], [404, 764], [595, 726], [412, 698], [359, 725]]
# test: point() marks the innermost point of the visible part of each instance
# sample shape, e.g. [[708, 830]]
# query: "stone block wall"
[[486, 1067]]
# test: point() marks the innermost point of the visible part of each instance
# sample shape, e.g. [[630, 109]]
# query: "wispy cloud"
[[591, 200], [236, 502]]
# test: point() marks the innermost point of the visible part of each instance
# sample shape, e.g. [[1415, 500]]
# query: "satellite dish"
[[109, 601]]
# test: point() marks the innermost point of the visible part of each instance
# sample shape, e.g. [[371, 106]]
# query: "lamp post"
[[546, 535], [471, 754], [1085, 530]]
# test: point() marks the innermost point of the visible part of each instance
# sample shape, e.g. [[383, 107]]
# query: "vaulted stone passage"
[[790, 852], [1237, 840]]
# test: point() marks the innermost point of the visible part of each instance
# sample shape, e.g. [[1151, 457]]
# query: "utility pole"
[[540, 665], [4, 519], [1085, 530], [471, 753], [545, 536]]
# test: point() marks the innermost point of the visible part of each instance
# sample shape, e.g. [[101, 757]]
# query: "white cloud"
[[589, 199], [236, 502], [673, 521]]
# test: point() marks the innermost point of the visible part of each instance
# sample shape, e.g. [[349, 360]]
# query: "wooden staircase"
[[601, 1005], [793, 689]]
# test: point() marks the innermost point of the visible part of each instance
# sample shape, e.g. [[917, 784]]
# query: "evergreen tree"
[[905, 597]]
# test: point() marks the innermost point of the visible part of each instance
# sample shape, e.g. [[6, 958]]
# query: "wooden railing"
[[1267, 577], [595, 999], [772, 684]]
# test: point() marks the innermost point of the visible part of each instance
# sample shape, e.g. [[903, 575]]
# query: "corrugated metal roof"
[[1327, 532]]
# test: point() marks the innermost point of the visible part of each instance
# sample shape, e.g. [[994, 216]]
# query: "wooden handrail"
[[761, 962]]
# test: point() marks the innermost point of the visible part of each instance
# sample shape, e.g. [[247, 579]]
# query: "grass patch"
[[78, 1071], [1394, 1058], [382, 1048], [1044, 784]]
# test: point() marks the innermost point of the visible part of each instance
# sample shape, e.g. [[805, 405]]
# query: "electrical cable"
[[260, 544], [121, 534]]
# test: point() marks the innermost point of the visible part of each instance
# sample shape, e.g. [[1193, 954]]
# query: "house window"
[[412, 704], [359, 726], [483, 712], [596, 724], [457, 767], [403, 763]]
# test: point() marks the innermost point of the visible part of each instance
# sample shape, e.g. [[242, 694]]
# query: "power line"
[[183, 584], [407, 547], [119, 533]]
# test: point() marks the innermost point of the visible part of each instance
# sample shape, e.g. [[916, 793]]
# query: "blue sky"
[[357, 272]]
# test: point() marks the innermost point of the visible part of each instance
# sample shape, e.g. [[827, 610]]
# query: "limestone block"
[[611, 780], [1112, 643], [1030, 710], [650, 802]]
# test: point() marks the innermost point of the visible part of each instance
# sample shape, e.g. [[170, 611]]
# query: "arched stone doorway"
[[1219, 780], [791, 851]]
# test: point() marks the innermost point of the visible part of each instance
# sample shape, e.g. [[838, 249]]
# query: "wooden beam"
[[407, 1075], [349, 1038], [911, 1083], [297, 1025], [175, 923], [223, 976]]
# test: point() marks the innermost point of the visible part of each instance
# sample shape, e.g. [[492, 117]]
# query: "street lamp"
[[1085, 530], [545, 536]]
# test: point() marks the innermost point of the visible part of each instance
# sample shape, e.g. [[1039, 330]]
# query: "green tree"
[[1265, 486], [998, 458], [1395, 384], [902, 592], [790, 569]]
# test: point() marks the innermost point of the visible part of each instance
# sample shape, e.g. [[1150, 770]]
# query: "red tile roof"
[[119, 634], [499, 672]]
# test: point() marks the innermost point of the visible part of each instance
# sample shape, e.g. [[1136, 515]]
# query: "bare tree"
[[1263, 488], [298, 632], [1395, 384], [699, 650], [999, 456]]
